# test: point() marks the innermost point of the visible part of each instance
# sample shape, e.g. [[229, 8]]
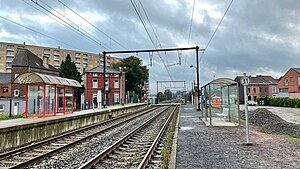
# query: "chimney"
[[24, 43], [46, 62]]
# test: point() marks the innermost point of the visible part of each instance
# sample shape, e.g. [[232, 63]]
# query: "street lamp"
[[121, 86], [198, 88]]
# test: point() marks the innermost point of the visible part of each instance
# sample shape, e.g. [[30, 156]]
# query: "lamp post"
[[121, 86], [198, 88]]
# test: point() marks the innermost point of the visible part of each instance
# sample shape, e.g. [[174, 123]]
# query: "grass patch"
[[3, 117], [295, 137]]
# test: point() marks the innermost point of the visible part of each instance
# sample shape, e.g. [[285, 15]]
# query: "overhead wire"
[[92, 24], [87, 36], [37, 32], [190, 32], [147, 31], [216, 28]]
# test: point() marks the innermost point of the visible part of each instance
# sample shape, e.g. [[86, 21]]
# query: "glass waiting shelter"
[[47, 95], [220, 103]]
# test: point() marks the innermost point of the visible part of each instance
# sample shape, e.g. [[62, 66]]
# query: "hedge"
[[279, 101]]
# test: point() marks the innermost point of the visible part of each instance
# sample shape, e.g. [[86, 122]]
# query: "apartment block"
[[83, 60]]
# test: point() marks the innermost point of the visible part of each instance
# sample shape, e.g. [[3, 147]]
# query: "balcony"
[[10, 48], [9, 60], [56, 54], [56, 64], [8, 66], [85, 62], [84, 57], [10, 54], [77, 61], [56, 58], [47, 52], [77, 55]]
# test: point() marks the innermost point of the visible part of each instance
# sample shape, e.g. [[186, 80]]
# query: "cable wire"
[[91, 24], [89, 36], [37, 32]]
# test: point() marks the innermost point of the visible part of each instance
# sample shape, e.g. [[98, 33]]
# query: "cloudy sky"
[[257, 37]]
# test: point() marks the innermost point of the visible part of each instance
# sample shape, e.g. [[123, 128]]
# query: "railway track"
[[140, 148], [28, 155]]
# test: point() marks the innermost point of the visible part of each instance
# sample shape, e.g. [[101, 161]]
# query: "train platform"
[[200, 146], [24, 121]]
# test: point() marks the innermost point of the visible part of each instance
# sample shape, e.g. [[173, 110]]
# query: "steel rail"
[[40, 144], [149, 153], [91, 163]]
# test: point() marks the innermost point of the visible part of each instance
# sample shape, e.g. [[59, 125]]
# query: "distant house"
[[289, 84], [114, 85], [259, 86]]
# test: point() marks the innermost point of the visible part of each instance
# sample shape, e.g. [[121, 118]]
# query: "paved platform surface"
[[23, 121], [288, 114], [199, 146]]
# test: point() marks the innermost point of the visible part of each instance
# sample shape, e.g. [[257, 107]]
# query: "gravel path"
[[221, 147]]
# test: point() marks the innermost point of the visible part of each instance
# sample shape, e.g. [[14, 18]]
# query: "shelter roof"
[[34, 78], [222, 82]]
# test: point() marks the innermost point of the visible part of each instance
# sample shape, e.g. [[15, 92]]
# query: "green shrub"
[[279, 101]]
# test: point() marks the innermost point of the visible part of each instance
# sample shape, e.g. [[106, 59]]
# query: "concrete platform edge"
[[172, 163]]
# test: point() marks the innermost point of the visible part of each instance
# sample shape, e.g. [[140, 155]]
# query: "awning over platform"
[[34, 78]]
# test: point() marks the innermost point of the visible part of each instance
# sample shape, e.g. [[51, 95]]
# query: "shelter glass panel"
[[69, 98], [60, 99], [49, 99], [32, 100], [41, 99]]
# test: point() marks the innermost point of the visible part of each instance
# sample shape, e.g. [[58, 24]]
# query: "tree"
[[135, 74], [68, 70]]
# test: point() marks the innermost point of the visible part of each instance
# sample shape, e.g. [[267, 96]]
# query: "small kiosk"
[[47, 95]]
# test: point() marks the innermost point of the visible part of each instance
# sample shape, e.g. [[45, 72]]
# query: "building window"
[[95, 83], [274, 89], [16, 92], [16, 75], [265, 89], [116, 84], [95, 74], [298, 80], [4, 89], [1, 45], [106, 85], [116, 97], [283, 90], [260, 89], [248, 90], [298, 89], [286, 83], [254, 90], [1, 107], [291, 79]]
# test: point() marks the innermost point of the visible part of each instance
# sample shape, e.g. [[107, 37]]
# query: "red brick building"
[[115, 82], [289, 83]]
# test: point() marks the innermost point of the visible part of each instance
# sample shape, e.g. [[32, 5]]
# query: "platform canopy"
[[34, 78]]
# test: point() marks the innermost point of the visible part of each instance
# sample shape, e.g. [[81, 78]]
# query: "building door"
[[16, 108]]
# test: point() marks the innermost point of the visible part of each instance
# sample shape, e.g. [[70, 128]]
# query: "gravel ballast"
[[272, 123], [222, 147]]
